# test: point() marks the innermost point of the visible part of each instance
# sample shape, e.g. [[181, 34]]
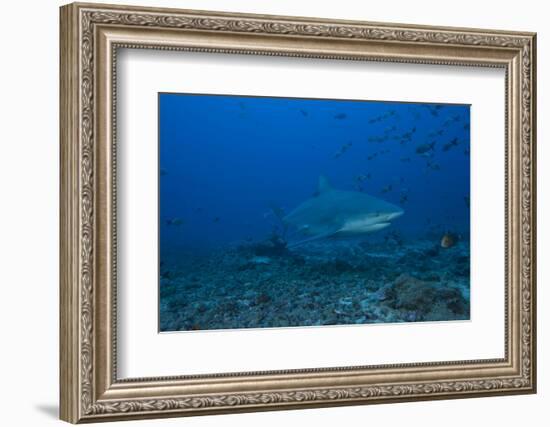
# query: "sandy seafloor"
[[325, 283]]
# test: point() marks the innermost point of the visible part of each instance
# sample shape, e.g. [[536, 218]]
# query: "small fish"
[[378, 138], [425, 148], [216, 219], [436, 133], [467, 201], [342, 149], [404, 198], [163, 172], [433, 166], [340, 116], [405, 159], [452, 143], [174, 221], [453, 119], [386, 189], [277, 211], [449, 240], [467, 152], [408, 135], [304, 113], [372, 156], [434, 109]]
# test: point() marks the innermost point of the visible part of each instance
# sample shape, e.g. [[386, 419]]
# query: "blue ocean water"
[[232, 166]]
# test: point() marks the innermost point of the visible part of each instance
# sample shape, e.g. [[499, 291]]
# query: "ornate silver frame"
[[90, 36]]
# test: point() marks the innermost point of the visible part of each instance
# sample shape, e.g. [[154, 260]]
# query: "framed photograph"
[[266, 212]]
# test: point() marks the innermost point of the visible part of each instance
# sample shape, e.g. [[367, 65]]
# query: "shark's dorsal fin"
[[324, 186]]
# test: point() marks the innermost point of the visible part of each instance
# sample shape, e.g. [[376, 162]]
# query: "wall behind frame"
[[29, 171]]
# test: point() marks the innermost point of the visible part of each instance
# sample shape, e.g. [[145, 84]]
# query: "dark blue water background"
[[225, 161]]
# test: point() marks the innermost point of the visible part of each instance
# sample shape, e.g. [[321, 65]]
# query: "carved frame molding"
[[90, 37]]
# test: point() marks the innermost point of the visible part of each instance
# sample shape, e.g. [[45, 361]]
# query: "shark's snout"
[[396, 214]]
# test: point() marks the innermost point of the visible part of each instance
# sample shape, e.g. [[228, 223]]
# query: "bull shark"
[[332, 213]]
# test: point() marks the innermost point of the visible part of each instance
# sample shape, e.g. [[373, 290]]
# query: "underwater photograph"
[[293, 212]]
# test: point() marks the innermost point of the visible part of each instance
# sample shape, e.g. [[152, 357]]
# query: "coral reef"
[[331, 283]]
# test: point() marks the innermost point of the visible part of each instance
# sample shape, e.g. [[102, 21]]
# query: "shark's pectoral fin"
[[376, 227], [313, 238]]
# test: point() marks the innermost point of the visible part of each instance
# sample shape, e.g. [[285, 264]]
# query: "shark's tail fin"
[[278, 211]]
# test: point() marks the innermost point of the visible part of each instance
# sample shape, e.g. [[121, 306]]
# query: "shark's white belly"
[[361, 226]]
